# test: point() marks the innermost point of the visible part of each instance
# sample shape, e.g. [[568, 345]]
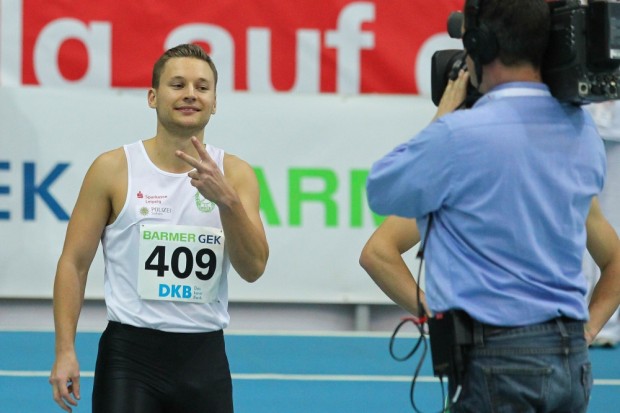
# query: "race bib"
[[180, 263]]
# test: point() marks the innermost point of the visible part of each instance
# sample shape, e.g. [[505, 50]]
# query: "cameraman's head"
[[505, 40]]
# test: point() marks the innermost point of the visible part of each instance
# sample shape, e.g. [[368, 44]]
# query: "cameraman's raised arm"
[[454, 96]]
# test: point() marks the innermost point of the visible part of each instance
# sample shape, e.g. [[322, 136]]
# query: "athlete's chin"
[[192, 124]]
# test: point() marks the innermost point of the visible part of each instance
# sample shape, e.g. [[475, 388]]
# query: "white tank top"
[[156, 197]]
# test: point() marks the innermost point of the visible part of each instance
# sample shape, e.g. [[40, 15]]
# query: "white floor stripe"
[[32, 373], [329, 377], [292, 377]]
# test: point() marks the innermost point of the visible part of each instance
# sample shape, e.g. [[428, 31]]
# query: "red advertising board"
[[324, 46]]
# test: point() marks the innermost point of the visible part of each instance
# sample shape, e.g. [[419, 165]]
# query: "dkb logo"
[[175, 291]]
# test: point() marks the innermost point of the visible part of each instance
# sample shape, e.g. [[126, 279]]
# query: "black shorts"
[[140, 370]]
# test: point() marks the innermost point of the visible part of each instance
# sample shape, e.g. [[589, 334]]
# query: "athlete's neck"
[[161, 151]]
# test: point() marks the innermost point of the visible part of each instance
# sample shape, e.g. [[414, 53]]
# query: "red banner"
[[327, 46]]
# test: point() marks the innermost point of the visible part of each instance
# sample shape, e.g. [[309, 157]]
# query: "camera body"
[[581, 64]]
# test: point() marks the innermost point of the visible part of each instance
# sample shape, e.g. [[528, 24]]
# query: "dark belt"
[[491, 330]]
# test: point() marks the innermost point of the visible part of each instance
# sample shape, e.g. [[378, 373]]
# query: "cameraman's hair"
[[521, 27], [182, 50]]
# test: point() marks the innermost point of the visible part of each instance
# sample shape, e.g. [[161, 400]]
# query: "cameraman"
[[507, 189]]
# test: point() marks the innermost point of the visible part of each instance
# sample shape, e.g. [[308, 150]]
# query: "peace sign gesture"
[[206, 177], [237, 197]]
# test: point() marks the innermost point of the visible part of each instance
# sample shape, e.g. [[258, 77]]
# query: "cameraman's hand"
[[454, 95]]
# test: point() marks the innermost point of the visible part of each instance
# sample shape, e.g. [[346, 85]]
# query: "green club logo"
[[203, 204]]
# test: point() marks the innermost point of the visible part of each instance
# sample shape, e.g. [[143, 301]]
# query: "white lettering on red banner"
[[302, 46]]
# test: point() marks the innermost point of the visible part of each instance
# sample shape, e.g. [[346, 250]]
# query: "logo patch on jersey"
[[155, 211], [151, 199], [203, 204]]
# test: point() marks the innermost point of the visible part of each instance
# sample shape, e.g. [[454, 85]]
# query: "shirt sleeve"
[[414, 179]]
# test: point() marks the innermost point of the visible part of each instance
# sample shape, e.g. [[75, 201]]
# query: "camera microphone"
[[455, 25]]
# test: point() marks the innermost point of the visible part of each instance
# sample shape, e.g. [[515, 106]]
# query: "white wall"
[[313, 259]]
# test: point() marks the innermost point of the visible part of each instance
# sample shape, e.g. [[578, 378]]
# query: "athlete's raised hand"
[[206, 176]]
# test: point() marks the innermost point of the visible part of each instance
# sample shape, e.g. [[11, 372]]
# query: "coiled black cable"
[[420, 323]]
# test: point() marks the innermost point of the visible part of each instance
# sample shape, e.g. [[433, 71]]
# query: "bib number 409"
[[182, 262]]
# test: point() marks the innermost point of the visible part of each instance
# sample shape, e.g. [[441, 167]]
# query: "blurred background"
[[309, 93]]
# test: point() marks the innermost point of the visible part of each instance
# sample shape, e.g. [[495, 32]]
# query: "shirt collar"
[[514, 89]]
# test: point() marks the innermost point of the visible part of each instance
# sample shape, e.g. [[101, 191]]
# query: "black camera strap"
[[420, 255]]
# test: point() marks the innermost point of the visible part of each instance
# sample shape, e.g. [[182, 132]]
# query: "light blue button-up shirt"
[[509, 183]]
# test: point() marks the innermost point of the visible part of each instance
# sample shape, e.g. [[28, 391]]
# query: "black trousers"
[[140, 370]]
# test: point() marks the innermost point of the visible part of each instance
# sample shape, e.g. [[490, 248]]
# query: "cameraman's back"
[[525, 170], [528, 167]]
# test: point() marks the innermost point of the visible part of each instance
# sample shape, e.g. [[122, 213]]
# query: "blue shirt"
[[509, 183]]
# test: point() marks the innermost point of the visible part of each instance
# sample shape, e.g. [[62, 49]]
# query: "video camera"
[[581, 64]]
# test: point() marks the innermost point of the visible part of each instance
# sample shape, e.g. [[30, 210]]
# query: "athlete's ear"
[[151, 98], [214, 106]]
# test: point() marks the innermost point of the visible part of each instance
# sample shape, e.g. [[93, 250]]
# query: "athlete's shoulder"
[[238, 171], [233, 163], [110, 161]]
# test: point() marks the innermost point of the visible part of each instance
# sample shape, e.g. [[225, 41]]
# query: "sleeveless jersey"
[[159, 199]]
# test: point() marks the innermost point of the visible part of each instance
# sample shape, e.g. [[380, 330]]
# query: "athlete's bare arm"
[[95, 207]]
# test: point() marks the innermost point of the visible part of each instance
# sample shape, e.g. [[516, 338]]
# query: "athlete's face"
[[185, 98]]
